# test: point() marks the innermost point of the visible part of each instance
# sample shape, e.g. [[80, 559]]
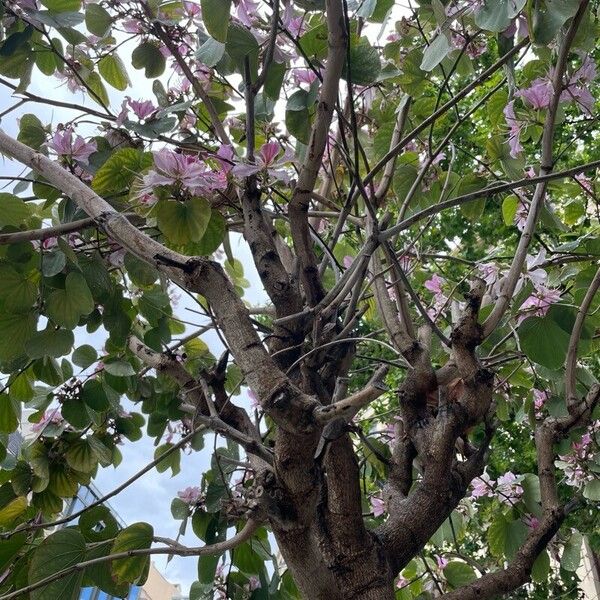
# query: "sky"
[[149, 498]]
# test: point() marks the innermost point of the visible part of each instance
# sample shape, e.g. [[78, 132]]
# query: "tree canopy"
[[416, 187]]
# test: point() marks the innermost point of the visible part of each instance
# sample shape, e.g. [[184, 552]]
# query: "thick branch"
[[298, 209]]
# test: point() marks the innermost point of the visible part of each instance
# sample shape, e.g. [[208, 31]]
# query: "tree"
[[421, 210]]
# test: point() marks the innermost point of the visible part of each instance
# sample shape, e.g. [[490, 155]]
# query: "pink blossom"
[[266, 161], [531, 522], [402, 582], [377, 506], [183, 170], [508, 488], [348, 260], [521, 215], [190, 495], [254, 402], [50, 242], [435, 284], [585, 182], [64, 145], [132, 25], [246, 11], [539, 398], [304, 76], [442, 563], [515, 126], [254, 583], [538, 94], [51, 417], [482, 486], [142, 108], [538, 303]]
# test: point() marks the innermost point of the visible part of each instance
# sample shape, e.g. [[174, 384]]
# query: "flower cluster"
[[506, 488], [434, 285], [66, 144], [575, 464], [190, 495]]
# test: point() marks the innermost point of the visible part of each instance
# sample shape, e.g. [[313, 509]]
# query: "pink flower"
[[64, 145], [246, 11], [515, 126], [538, 94], [225, 155], [348, 260], [183, 170], [442, 563], [539, 399], [304, 76], [585, 182], [482, 486], [489, 272], [402, 582], [531, 522], [377, 506], [132, 26], [190, 495], [521, 215], [142, 108], [538, 303], [254, 402], [435, 284], [254, 583], [266, 161], [51, 417], [508, 489]]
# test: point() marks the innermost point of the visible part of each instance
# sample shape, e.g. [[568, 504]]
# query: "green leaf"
[[364, 63], [172, 461], [17, 292], [15, 330], [211, 52], [496, 15], [591, 490], [119, 368], [497, 534], [458, 573], [509, 209], [436, 52], [147, 56], [12, 510], [62, 5], [546, 17], [76, 414], [113, 70], [81, 457], [215, 16], [66, 307], [134, 537], [59, 551], [13, 211], [183, 222], [213, 236], [298, 123], [97, 20], [543, 341], [119, 171], [141, 272], [571, 556], [50, 342], [241, 44], [98, 524], [98, 92], [84, 356], [274, 80], [94, 396], [31, 132], [541, 567]]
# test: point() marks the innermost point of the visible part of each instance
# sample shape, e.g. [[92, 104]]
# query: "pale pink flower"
[[183, 170], [482, 486], [142, 108], [190, 495], [435, 284], [489, 272], [539, 398], [508, 489], [538, 303], [531, 521], [253, 583], [521, 215], [225, 157], [515, 126], [132, 26], [267, 160], [402, 582], [64, 144], [254, 402], [50, 242], [442, 563], [51, 417], [304, 76], [538, 94], [347, 262], [377, 506], [246, 11], [585, 182]]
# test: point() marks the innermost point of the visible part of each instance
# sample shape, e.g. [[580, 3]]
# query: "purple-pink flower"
[[182, 170], [515, 126], [51, 417], [540, 397], [190, 495], [538, 303], [65, 144], [268, 161], [538, 94], [442, 562], [434, 284], [377, 506]]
